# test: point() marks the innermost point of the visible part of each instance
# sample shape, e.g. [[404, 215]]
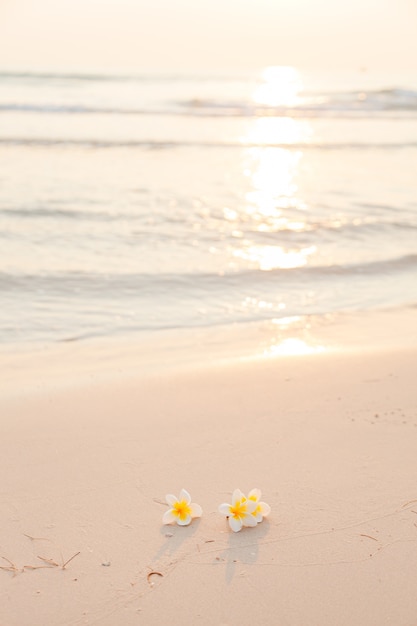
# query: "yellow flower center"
[[238, 510], [181, 509]]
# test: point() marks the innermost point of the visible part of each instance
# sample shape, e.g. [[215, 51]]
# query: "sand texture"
[[330, 439]]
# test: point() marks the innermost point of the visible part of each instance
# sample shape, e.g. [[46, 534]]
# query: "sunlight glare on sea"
[[280, 86], [272, 203]]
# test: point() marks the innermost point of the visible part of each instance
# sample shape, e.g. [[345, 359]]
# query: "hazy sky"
[[208, 34]]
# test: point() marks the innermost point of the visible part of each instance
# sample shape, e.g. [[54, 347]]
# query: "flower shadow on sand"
[[243, 548], [175, 537]]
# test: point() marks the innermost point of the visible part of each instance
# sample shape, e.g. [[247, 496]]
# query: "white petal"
[[249, 520], [254, 494], [235, 524], [185, 521], [184, 495], [196, 510], [265, 508], [257, 516], [237, 496], [171, 499], [250, 506], [169, 517], [224, 509]]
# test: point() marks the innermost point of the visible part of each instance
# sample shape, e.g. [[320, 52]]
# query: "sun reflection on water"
[[272, 180], [280, 86], [270, 227], [292, 346], [294, 336], [276, 132], [273, 257], [272, 202]]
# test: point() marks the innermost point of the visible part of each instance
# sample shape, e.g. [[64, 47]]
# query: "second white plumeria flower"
[[239, 513], [181, 510], [262, 508]]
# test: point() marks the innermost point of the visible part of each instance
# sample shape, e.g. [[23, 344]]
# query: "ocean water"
[[135, 203]]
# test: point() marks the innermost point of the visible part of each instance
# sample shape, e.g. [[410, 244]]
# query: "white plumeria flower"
[[262, 508], [239, 513], [182, 509]]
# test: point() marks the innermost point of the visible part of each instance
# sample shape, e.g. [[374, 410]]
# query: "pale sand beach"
[[330, 439]]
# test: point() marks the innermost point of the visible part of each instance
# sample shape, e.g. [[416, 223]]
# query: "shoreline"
[[330, 440], [32, 368]]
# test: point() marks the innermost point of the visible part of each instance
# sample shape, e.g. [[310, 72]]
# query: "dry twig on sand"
[[51, 562], [11, 567]]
